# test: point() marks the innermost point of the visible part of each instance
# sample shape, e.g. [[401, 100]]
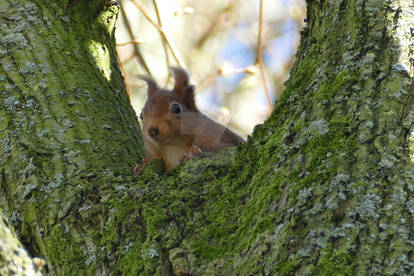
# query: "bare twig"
[[137, 51], [128, 43], [260, 58], [220, 72], [128, 59], [164, 42], [207, 82], [215, 25], [121, 64], [162, 33]]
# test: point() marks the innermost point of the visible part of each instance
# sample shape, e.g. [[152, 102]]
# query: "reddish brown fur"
[[178, 136]]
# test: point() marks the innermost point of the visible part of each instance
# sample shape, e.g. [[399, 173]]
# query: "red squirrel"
[[174, 129]]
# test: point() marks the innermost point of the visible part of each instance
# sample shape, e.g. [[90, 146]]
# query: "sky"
[[230, 31]]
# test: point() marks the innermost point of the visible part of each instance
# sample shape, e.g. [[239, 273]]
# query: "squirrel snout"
[[153, 131]]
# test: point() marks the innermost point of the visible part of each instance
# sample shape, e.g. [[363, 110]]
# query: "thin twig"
[[260, 58], [128, 43], [214, 26], [137, 51], [164, 43], [121, 64], [128, 59], [161, 31], [220, 73], [208, 81]]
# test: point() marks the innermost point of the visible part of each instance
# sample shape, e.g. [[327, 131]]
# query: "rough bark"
[[324, 186], [68, 132]]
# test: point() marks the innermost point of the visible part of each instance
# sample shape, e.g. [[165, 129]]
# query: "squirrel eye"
[[140, 116], [176, 108]]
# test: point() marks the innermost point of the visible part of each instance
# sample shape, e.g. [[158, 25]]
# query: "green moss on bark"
[[58, 95], [307, 184], [324, 185]]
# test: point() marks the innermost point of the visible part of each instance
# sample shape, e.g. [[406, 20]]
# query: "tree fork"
[[325, 185]]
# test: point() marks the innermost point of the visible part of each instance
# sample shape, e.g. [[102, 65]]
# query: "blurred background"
[[216, 41]]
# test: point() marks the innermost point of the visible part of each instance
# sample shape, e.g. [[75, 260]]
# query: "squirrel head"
[[167, 112]]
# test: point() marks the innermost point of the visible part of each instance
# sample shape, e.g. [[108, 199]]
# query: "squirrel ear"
[[152, 85], [181, 79], [182, 87]]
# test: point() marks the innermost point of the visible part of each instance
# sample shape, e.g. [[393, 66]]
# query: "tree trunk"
[[324, 186], [69, 136]]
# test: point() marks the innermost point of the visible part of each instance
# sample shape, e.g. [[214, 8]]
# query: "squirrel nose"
[[153, 131]]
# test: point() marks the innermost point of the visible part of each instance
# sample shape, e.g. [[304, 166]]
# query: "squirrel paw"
[[138, 169], [194, 150]]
